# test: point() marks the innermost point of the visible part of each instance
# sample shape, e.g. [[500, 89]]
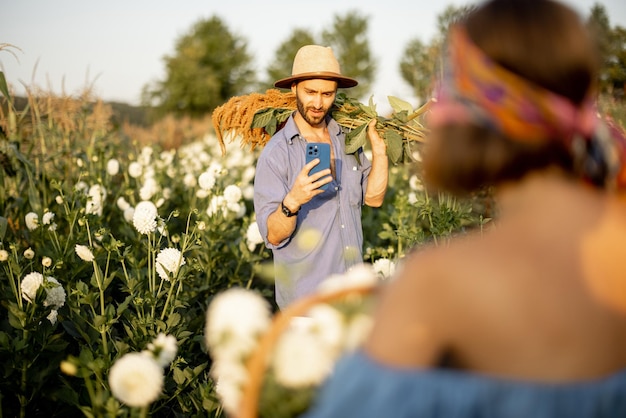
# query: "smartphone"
[[318, 150]]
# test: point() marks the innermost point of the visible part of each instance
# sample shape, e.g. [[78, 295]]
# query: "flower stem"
[[22, 396], [102, 327], [16, 281], [430, 219]]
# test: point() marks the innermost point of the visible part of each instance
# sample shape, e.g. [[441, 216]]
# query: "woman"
[[529, 318]]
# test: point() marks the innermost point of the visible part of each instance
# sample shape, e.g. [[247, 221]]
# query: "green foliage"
[[209, 66], [614, 108], [411, 217], [401, 131], [348, 38], [421, 62], [418, 66], [4, 89], [117, 303], [280, 67], [611, 43], [450, 16], [270, 119], [56, 360]]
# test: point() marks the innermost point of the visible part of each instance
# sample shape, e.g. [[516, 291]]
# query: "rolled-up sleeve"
[[271, 183]]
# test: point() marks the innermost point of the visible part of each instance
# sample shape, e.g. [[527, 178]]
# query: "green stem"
[[102, 327], [152, 277], [22, 395], [167, 301], [15, 282], [151, 269], [430, 219], [55, 241], [90, 390]]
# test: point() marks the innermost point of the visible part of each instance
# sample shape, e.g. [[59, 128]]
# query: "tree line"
[[210, 64]]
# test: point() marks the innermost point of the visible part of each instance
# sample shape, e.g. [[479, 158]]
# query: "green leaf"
[[4, 88], [271, 127], [99, 320], [370, 110], [173, 320], [3, 227], [179, 376], [108, 280], [4, 341], [160, 324], [270, 118], [97, 273], [262, 118], [198, 369], [373, 106], [56, 344], [33, 194], [283, 114], [399, 105], [124, 305], [394, 146], [402, 116], [408, 153], [129, 331], [356, 139]]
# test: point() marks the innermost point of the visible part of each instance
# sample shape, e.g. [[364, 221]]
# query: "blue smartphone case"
[[318, 150]]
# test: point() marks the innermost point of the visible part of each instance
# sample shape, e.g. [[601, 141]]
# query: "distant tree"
[[616, 70], [450, 16], [611, 44], [421, 62], [418, 67], [209, 66], [348, 38], [283, 60]]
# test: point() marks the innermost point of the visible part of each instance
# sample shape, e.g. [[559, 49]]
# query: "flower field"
[[112, 249]]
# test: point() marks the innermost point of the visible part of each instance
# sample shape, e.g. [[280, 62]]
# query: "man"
[[314, 233]]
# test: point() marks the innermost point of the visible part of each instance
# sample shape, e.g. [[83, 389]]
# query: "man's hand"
[[306, 187], [379, 148]]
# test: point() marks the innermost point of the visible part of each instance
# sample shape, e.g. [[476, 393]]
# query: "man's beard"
[[313, 121]]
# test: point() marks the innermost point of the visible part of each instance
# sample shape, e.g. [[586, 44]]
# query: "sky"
[[117, 46]]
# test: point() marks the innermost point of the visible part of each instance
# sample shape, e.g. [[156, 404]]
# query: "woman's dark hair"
[[540, 40]]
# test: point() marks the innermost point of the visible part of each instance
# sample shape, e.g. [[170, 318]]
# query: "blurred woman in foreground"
[[529, 318]]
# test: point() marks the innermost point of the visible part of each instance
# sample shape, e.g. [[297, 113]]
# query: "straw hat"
[[314, 61]]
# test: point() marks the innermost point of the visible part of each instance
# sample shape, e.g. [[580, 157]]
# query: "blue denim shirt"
[[333, 217]]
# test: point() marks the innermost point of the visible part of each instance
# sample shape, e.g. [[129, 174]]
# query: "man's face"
[[314, 99]]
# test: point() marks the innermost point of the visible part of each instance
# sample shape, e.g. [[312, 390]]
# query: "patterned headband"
[[477, 89]]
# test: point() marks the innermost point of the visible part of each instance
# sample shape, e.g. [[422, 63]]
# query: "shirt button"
[[354, 168], [343, 226], [336, 188]]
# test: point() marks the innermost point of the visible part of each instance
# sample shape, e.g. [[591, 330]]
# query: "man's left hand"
[[379, 148]]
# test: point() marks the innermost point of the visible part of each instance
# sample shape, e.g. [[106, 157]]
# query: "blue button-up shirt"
[[328, 238]]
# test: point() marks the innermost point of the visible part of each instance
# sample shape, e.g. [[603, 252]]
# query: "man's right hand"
[[306, 187]]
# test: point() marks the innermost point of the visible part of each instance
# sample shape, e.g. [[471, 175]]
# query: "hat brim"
[[342, 82]]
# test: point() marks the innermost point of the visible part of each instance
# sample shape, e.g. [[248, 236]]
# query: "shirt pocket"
[[352, 185]]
